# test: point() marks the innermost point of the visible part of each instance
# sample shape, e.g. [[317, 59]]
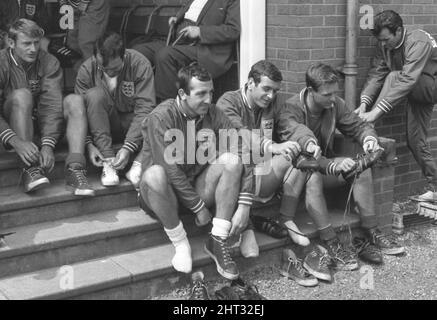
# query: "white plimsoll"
[[109, 174], [293, 232], [248, 245], [134, 174]]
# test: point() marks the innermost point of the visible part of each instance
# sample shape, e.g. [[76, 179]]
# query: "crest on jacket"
[[128, 88], [34, 86], [267, 124], [30, 9]]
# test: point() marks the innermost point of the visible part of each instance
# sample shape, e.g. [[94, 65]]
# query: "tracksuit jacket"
[[416, 55], [44, 79], [34, 10], [169, 115], [339, 117], [135, 91]]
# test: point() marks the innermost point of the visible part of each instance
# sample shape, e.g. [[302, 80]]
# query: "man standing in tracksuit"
[[404, 70]]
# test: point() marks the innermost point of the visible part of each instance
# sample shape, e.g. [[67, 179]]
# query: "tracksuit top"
[[169, 115], [44, 79], [416, 55], [135, 91]]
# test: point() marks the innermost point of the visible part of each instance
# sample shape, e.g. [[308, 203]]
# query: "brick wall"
[[300, 32]]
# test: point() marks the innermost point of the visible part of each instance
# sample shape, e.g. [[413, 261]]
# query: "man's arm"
[[50, 110], [6, 132], [144, 104], [229, 31], [375, 80], [155, 129]]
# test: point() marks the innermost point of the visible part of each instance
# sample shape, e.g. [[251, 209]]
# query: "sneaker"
[[291, 267], [317, 262], [368, 252], [306, 162], [239, 290], [134, 174], [386, 243], [428, 196], [248, 245], [270, 227], [75, 178], [109, 174], [34, 179], [363, 162], [218, 249], [198, 290], [342, 257]]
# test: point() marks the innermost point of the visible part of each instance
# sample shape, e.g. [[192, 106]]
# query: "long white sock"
[[182, 260], [298, 239], [221, 228]]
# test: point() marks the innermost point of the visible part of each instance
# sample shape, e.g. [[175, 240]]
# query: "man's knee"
[[164, 55], [74, 106], [315, 184], [392, 76], [22, 99], [231, 163], [154, 178], [95, 96]]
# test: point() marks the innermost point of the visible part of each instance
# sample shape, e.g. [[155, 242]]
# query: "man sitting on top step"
[[183, 168], [118, 88], [33, 113]]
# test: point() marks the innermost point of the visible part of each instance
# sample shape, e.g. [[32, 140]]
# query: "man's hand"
[[314, 149], [172, 20], [371, 146], [346, 165], [240, 220], [95, 156], [191, 32], [203, 217], [289, 149], [47, 158], [361, 109], [371, 116], [121, 159], [26, 150]]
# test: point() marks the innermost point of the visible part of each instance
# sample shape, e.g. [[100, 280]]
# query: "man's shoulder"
[[164, 110], [295, 101], [229, 97], [136, 57], [419, 35], [48, 60]]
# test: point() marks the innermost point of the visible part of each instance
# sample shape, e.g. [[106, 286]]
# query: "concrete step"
[[56, 203], [137, 274], [68, 241]]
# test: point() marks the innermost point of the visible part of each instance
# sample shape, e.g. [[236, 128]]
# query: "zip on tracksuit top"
[[417, 54], [167, 116], [135, 91], [44, 79]]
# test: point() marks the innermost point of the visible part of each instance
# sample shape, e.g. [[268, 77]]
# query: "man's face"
[[25, 47], [114, 67], [200, 97], [263, 93], [325, 97], [390, 40]]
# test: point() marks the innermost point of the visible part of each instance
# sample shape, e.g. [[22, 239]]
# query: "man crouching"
[[171, 177]]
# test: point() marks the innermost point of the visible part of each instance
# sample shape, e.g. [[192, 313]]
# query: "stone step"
[[137, 274], [55, 202], [72, 240]]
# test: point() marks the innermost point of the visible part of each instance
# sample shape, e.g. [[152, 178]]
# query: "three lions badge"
[[30, 10], [128, 88]]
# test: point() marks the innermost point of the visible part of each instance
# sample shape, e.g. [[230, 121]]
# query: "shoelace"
[[225, 251], [34, 171], [297, 265], [80, 176], [340, 253], [199, 290], [385, 239], [360, 245]]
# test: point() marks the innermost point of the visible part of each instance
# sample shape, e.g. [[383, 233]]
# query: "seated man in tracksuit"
[[117, 86], [404, 71], [31, 106], [321, 110], [183, 168]]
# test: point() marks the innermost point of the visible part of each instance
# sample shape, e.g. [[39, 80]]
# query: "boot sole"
[[316, 274], [80, 192], [393, 252], [350, 267], [303, 283], [220, 270], [36, 185]]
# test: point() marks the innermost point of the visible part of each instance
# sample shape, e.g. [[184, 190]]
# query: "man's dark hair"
[[265, 68], [387, 19], [110, 46], [194, 70], [320, 74]]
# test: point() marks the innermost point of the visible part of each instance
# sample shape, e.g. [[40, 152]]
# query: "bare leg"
[[21, 107], [363, 196], [77, 127]]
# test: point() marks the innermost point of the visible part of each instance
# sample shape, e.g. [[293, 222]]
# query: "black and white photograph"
[[236, 152]]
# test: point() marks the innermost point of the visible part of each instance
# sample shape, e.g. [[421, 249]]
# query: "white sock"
[[182, 260], [221, 228], [298, 239]]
